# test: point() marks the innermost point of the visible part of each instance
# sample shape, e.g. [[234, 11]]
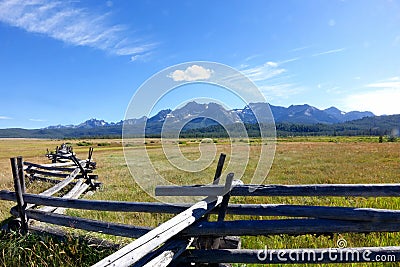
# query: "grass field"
[[297, 161]]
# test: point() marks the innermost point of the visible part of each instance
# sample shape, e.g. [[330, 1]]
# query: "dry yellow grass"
[[301, 162]]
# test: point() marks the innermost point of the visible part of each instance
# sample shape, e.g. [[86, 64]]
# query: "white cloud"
[[329, 52], [384, 100], [192, 73], [272, 64], [37, 120], [63, 21], [5, 118]]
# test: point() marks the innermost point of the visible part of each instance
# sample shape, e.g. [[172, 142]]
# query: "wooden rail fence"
[[172, 242]]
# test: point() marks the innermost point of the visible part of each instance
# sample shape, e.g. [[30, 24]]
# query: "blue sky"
[[63, 62]]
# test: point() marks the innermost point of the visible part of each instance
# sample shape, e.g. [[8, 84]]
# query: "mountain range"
[[199, 114], [197, 118]]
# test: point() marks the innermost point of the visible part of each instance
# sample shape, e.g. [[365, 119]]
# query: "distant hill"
[[61, 133], [347, 116], [195, 117], [368, 126]]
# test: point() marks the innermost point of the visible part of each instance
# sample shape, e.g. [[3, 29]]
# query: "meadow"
[[297, 160]]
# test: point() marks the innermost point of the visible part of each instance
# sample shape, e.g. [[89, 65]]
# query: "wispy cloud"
[[37, 120], [300, 48], [395, 78], [385, 85], [264, 72], [289, 60], [272, 79], [63, 21], [142, 57], [280, 90], [5, 118], [252, 57], [381, 98], [391, 83], [329, 52]]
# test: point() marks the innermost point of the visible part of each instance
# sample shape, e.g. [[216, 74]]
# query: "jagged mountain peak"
[[160, 116], [335, 112], [92, 123], [333, 109], [210, 113]]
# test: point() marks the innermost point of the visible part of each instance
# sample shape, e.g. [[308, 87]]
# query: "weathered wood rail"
[[289, 255], [236, 227], [306, 190], [168, 244], [322, 212]]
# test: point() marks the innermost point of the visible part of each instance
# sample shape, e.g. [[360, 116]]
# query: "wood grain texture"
[[134, 251], [62, 184], [322, 212], [285, 256], [345, 190]]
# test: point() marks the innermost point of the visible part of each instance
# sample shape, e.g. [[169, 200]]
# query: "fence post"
[[207, 242], [218, 171], [217, 175], [54, 159], [21, 173], [16, 170], [90, 154], [222, 209]]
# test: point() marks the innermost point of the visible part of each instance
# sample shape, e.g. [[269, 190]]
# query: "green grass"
[[35, 250], [298, 160]]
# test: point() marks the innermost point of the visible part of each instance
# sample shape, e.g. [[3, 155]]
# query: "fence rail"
[[307, 190], [322, 212], [225, 228], [285, 256]]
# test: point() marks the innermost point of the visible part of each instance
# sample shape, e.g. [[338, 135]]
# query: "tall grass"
[[297, 161], [34, 250]]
